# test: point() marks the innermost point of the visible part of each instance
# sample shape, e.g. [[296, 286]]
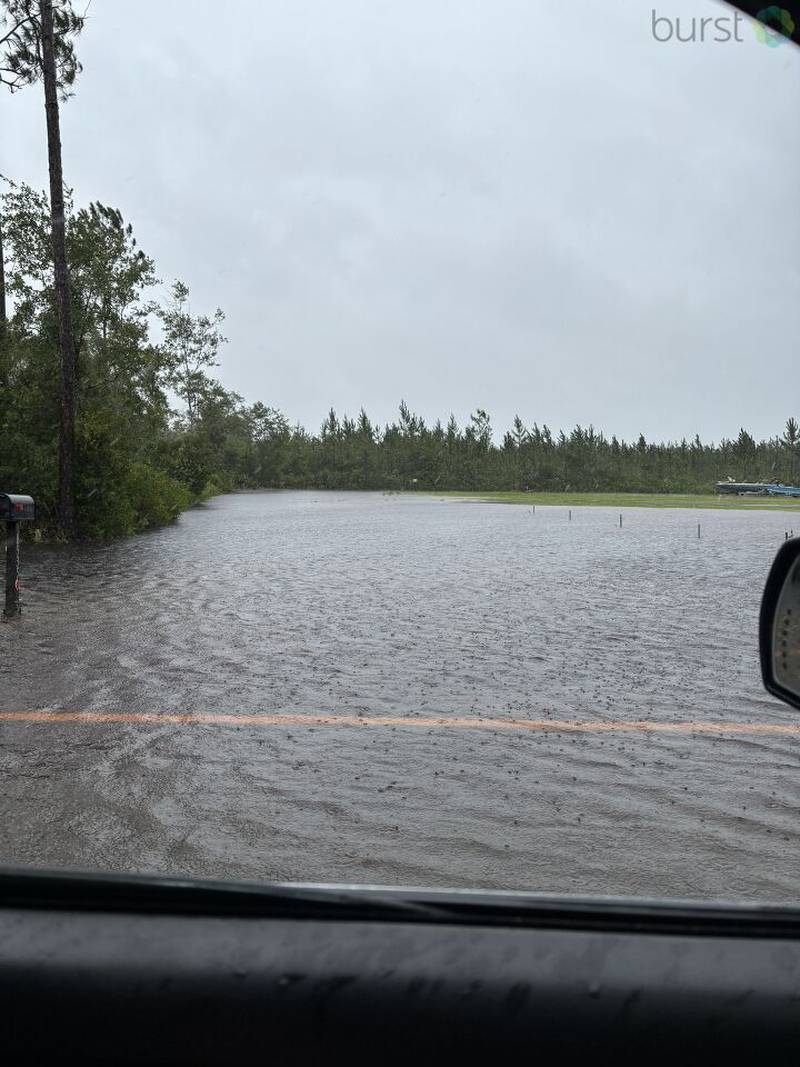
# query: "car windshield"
[[398, 420]]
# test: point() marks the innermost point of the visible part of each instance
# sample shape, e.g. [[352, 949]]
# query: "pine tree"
[[37, 44], [791, 442]]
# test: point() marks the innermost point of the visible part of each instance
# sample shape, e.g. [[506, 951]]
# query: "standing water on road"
[[290, 605]]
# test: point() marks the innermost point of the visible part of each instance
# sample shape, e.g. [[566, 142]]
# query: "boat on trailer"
[[732, 488]]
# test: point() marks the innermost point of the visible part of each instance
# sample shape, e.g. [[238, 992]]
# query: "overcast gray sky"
[[514, 204]]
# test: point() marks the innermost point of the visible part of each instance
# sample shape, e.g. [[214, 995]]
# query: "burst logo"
[[774, 26]]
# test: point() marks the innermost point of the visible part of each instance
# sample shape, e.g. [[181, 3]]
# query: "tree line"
[[110, 414]]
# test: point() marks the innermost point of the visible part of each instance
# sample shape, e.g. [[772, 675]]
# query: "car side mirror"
[[779, 629]]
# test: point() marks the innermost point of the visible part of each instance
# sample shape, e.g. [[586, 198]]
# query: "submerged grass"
[[635, 500]]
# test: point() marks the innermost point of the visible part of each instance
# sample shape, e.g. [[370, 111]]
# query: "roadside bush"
[[155, 496]]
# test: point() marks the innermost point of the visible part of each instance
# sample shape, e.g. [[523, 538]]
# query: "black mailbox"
[[16, 508]]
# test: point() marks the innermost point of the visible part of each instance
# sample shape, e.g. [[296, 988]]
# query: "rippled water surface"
[[370, 605]]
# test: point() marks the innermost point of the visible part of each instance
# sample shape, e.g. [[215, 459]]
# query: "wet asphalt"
[[409, 608]]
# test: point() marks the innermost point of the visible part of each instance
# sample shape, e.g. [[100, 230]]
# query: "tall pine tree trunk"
[[3, 317], [66, 439]]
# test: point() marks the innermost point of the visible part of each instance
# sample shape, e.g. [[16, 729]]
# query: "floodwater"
[[434, 630]]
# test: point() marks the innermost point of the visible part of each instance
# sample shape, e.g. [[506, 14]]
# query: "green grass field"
[[633, 500]]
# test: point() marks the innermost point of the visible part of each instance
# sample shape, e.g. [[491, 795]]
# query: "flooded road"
[[379, 689]]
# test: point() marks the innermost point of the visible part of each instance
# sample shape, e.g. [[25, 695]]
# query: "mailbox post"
[[14, 509]]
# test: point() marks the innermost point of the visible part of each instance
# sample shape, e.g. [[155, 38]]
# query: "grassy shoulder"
[[634, 500]]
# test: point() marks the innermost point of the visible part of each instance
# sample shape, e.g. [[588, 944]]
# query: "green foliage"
[[190, 345], [408, 454], [157, 498], [142, 496], [190, 461], [137, 462], [21, 43], [154, 432], [639, 500]]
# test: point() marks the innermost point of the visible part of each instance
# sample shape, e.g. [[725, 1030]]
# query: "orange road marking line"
[[579, 726]]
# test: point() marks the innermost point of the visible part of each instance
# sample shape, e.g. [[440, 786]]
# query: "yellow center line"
[[579, 726]]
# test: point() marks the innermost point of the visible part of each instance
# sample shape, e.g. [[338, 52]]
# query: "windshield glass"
[[407, 398]]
